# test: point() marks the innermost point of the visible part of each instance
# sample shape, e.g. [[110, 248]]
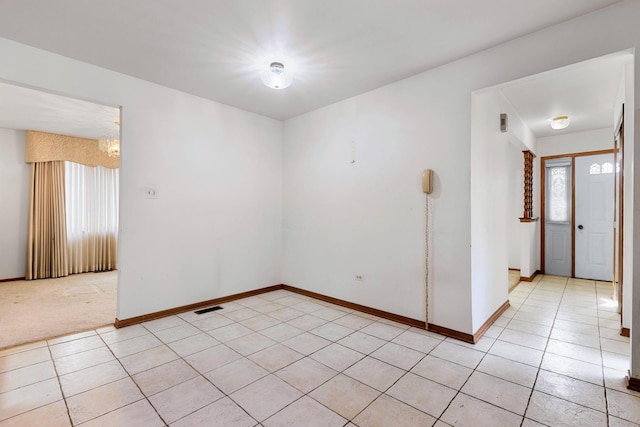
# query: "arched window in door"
[[607, 167]]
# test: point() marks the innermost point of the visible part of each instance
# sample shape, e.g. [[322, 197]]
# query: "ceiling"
[[336, 48], [24, 108], [215, 48], [585, 92]]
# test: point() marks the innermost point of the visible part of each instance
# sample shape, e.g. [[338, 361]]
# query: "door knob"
[[580, 227]]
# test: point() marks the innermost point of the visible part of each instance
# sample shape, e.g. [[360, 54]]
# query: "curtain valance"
[[47, 147]]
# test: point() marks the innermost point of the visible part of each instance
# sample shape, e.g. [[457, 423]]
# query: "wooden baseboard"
[[120, 323], [353, 306], [13, 279], [633, 383], [462, 336], [530, 278], [625, 332], [481, 331]]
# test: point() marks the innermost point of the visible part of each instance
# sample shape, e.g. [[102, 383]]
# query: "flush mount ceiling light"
[[276, 77], [559, 122]]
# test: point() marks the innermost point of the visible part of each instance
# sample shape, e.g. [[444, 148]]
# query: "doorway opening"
[[73, 269], [592, 94]]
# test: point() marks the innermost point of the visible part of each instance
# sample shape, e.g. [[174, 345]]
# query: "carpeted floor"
[[514, 279], [37, 309]]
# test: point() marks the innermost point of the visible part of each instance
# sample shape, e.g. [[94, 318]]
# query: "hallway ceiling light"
[[560, 122], [276, 77]]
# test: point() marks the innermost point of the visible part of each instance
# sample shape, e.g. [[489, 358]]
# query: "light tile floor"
[[554, 358]]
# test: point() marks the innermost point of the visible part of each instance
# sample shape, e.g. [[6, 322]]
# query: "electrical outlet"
[[359, 278], [150, 193]]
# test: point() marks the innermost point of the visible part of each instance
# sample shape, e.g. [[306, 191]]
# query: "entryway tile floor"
[[555, 357]]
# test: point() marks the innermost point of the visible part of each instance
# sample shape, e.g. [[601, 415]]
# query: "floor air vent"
[[206, 310]]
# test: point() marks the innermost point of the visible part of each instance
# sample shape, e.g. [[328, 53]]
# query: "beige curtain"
[[96, 252], [47, 234]]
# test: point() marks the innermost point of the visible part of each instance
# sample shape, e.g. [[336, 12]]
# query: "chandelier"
[[110, 143]]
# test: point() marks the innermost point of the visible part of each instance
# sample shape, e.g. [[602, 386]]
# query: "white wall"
[[530, 237], [577, 142], [492, 163], [216, 228], [366, 218], [489, 207], [14, 199]]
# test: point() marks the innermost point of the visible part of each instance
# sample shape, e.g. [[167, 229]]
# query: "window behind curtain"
[[91, 216], [558, 200]]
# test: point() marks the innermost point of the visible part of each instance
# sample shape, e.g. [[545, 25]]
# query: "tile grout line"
[[242, 357], [588, 382], [373, 357], [295, 361], [203, 375], [182, 382], [381, 392], [246, 357], [604, 383], [459, 391], [338, 372], [206, 379], [200, 374], [545, 349], [64, 398], [271, 373], [132, 380], [475, 369], [333, 342]]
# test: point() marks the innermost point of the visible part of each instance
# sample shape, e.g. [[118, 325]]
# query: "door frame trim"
[[542, 202], [618, 200]]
